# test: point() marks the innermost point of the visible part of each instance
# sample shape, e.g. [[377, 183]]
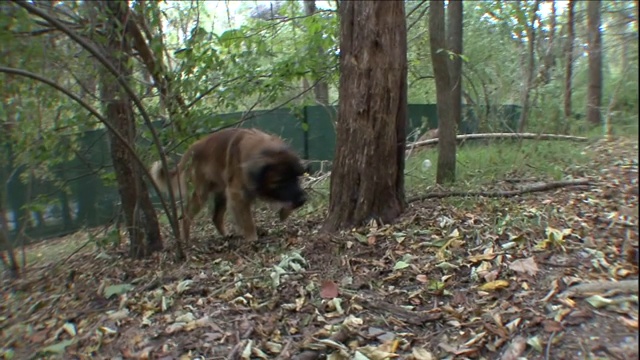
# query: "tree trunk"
[[446, 171], [549, 58], [321, 89], [454, 36], [569, 59], [11, 263], [594, 92], [139, 214], [367, 180], [526, 92]]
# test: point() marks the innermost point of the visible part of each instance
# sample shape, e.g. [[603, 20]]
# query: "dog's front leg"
[[241, 210]]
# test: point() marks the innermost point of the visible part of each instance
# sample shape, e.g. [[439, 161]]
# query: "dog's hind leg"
[[219, 209], [196, 202]]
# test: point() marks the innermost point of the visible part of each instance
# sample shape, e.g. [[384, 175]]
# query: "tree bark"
[[140, 216], [367, 181], [454, 35], [594, 92], [569, 59], [321, 89], [446, 171]]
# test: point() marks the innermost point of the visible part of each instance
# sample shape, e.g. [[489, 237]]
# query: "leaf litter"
[[502, 279]]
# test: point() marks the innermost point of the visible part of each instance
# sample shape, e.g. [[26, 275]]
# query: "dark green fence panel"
[[92, 201], [321, 134]]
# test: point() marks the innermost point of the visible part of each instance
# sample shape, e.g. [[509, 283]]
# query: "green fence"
[[42, 209]]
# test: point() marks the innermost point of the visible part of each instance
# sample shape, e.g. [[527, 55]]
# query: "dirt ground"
[[493, 279]]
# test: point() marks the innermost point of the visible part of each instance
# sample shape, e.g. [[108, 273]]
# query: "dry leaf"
[[552, 326], [516, 348], [527, 266], [494, 285], [328, 289]]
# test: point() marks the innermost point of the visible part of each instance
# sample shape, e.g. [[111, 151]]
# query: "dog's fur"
[[237, 166]]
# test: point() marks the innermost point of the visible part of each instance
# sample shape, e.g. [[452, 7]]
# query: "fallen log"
[[528, 136], [505, 193]]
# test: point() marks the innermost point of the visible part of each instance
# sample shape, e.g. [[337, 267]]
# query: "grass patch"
[[53, 250], [480, 164]]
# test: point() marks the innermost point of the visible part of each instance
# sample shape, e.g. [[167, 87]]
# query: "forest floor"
[[473, 278]]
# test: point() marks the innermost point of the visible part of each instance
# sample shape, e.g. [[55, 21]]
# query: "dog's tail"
[[175, 179]]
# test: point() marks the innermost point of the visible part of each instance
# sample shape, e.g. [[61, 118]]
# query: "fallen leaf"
[[422, 278], [552, 326], [421, 354], [494, 285], [375, 353], [328, 289], [120, 289], [527, 266], [400, 265], [57, 348], [516, 347]]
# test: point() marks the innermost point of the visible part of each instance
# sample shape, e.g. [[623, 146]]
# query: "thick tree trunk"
[[454, 35], [594, 92], [446, 171], [367, 181], [321, 89], [139, 214], [569, 59]]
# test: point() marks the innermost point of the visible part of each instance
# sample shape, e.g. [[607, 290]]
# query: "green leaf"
[[111, 290], [400, 265], [58, 348]]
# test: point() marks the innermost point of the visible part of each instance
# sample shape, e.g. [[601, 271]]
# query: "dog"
[[237, 166]]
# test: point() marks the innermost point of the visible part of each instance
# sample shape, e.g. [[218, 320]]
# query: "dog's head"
[[276, 176]]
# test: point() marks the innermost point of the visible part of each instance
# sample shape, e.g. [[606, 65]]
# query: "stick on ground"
[[505, 193]]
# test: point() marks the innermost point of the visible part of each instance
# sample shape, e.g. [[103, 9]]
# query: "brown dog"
[[237, 166]]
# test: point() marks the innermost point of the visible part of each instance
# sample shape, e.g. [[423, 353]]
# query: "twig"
[[547, 351], [503, 194]]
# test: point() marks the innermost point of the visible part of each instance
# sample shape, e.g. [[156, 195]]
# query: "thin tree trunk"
[[549, 59], [140, 217], [11, 263], [367, 181], [454, 35], [321, 89], [594, 93], [446, 171], [569, 59], [526, 94]]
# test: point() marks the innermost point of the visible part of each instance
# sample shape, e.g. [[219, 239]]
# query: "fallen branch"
[[505, 193], [530, 136]]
